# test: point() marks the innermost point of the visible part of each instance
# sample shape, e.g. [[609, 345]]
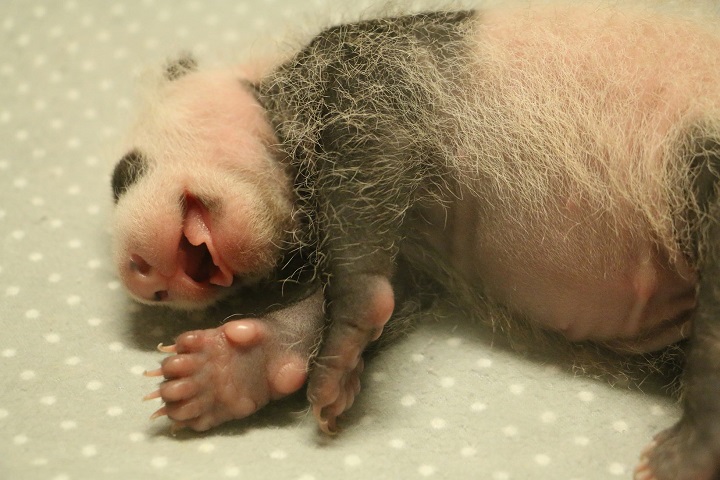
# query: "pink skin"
[[227, 373], [230, 372], [224, 374]]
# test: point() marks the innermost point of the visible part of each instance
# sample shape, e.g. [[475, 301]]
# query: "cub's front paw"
[[225, 373], [332, 391], [682, 452]]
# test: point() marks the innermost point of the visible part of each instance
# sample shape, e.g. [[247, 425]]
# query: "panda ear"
[[180, 66]]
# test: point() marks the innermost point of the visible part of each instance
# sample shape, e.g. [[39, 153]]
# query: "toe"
[[289, 378], [179, 366], [244, 333], [185, 410], [190, 342], [176, 390]]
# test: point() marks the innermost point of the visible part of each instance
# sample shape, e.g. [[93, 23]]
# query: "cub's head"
[[202, 205]]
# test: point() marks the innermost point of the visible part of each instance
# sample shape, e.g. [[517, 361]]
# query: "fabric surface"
[[445, 402]]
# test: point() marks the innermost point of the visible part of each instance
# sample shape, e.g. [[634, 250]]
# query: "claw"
[[153, 373], [327, 425], [168, 349], [152, 396], [162, 411]]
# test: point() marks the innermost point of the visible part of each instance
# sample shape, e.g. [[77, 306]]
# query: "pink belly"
[[574, 277], [643, 307]]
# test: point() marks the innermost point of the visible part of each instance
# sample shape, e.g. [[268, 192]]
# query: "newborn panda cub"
[[560, 162]]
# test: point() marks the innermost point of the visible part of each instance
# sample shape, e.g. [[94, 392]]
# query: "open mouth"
[[197, 254], [197, 262]]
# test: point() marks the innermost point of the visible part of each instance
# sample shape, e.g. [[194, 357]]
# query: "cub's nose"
[[145, 281]]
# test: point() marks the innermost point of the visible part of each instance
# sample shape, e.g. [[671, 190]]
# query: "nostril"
[[138, 264], [160, 295]]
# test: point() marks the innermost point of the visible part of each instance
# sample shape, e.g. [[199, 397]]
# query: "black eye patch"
[[128, 170]]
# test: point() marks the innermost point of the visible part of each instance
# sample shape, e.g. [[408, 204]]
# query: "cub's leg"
[[230, 372], [690, 450]]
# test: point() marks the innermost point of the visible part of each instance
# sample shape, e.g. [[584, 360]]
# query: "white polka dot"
[[548, 417], [278, 454], [20, 439], [51, 337], [94, 322], [501, 476], [68, 425], [517, 389], [407, 401], [36, 256], [116, 347], [206, 447], [20, 182], [478, 407], [617, 469], [94, 385], [620, 426], [114, 411], [352, 460], [397, 443], [447, 382], [426, 470], [542, 460], [27, 375], [137, 369], [72, 361], [89, 451], [12, 291], [137, 437], [510, 431], [231, 472], [484, 363], [48, 400], [54, 278], [9, 352], [32, 314], [4, 413], [418, 357], [17, 234], [56, 223], [159, 462], [581, 441], [586, 396], [306, 476], [379, 376], [39, 462], [468, 452], [438, 423], [114, 285]]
